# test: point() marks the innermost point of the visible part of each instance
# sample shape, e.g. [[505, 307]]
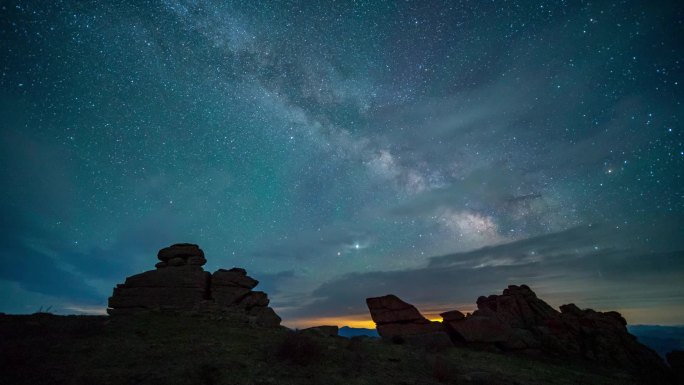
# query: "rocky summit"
[[180, 284], [517, 320]]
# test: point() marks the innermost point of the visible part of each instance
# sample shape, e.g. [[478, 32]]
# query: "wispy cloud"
[[552, 264]]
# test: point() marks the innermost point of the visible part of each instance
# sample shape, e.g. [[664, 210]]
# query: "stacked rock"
[[180, 284], [181, 254], [175, 285], [233, 288]]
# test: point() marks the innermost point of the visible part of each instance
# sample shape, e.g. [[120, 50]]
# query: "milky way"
[[435, 150]]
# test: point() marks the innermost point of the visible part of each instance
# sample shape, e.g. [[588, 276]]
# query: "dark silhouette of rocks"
[[402, 322], [179, 284], [517, 320], [453, 315]]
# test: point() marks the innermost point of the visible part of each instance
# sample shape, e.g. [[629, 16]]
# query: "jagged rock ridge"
[[180, 284], [517, 320]]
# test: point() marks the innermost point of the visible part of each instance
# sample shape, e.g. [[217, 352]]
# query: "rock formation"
[[400, 322], [180, 284], [517, 320]]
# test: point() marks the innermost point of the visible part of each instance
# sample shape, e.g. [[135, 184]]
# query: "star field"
[[339, 150]]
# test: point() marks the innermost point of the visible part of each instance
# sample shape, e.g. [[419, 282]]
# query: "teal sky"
[[435, 150]]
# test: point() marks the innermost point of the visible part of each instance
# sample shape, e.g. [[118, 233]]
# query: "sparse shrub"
[[298, 348]]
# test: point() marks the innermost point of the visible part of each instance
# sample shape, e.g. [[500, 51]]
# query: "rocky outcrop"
[[517, 320], [399, 321], [180, 284]]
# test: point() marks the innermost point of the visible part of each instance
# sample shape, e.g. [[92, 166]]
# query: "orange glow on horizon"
[[657, 315], [355, 320], [351, 321]]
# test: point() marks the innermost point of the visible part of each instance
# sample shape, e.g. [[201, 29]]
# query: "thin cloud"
[[552, 264]]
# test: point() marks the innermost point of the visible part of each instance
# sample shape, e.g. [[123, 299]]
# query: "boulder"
[[186, 276], [157, 298], [233, 278], [603, 337], [181, 250], [169, 288], [391, 309], [228, 295], [196, 261], [176, 261], [397, 320], [254, 298], [453, 315]]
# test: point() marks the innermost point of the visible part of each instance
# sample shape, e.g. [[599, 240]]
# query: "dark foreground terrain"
[[168, 349]]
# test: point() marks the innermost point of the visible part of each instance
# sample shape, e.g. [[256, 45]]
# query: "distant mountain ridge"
[[349, 332], [662, 339]]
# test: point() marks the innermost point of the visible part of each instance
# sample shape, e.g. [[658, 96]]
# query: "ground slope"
[[166, 349]]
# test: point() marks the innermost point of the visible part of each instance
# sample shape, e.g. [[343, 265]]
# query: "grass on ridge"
[[180, 350]]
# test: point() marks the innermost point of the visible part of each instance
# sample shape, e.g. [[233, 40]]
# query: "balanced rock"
[[399, 321], [180, 250], [180, 284], [390, 309]]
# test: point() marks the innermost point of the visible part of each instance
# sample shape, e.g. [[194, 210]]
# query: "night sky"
[[437, 150]]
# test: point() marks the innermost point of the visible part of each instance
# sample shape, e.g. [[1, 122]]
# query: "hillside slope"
[[168, 349]]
